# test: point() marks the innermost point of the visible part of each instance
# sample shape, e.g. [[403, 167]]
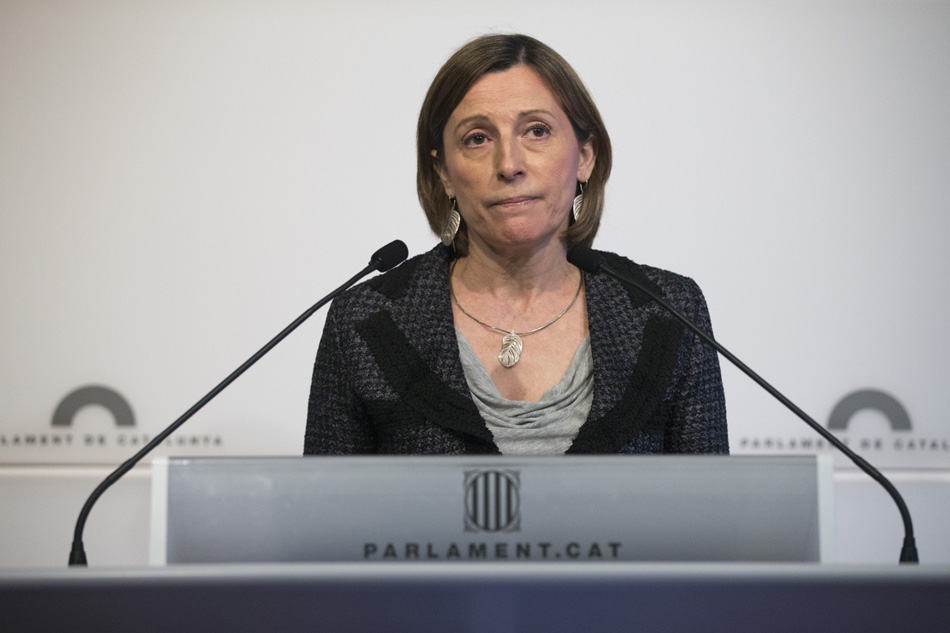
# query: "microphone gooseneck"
[[594, 262], [385, 258]]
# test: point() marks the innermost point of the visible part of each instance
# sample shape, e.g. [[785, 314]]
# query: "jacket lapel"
[[415, 345], [633, 342], [635, 348]]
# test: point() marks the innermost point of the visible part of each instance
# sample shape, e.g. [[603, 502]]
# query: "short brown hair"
[[497, 53]]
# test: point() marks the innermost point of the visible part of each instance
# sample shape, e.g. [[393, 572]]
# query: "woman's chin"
[[522, 243]]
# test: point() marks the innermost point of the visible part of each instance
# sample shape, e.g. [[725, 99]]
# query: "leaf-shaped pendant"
[[511, 347]]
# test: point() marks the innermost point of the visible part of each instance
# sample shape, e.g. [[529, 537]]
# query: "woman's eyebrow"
[[479, 118]]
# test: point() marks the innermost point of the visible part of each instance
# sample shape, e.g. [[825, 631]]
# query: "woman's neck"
[[486, 271]]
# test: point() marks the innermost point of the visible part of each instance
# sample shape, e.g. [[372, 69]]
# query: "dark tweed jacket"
[[388, 378]]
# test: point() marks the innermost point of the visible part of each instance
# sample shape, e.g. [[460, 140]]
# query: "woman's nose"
[[510, 159]]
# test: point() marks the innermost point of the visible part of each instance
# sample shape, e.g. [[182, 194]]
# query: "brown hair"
[[497, 53]]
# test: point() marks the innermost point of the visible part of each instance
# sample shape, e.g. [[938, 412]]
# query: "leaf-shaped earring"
[[578, 201], [451, 226], [511, 347]]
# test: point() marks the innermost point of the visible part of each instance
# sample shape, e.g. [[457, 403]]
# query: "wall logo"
[[869, 399], [492, 501], [69, 439], [899, 445], [109, 399]]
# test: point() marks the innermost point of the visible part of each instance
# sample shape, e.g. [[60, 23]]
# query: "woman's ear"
[[586, 160], [439, 167]]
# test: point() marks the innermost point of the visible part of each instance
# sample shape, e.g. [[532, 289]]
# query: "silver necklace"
[[511, 343]]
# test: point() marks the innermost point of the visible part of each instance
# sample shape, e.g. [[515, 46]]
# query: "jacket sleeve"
[[698, 416], [337, 423]]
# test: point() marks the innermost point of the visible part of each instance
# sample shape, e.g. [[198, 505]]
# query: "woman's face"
[[512, 162]]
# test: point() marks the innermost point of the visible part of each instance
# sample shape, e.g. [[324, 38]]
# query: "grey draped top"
[[546, 427]]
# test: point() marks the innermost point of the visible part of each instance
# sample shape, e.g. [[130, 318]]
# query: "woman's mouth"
[[515, 201]]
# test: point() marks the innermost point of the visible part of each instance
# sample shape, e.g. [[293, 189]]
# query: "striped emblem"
[[492, 501]]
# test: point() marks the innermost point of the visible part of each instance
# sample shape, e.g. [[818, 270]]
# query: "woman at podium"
[[491, 341]]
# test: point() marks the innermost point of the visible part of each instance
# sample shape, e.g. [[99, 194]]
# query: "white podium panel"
[[456, 509]]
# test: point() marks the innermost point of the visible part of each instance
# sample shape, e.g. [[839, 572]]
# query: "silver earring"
[[578, 201], [451, 225]]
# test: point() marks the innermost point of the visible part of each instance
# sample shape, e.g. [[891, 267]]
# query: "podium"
[[480, 509], [280, 544], [480, 598]]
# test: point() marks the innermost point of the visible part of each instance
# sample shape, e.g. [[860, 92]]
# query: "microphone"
[[389, 256], [594, 262], [382, 260]]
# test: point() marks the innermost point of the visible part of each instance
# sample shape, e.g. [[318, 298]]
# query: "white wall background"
[[179, 180]]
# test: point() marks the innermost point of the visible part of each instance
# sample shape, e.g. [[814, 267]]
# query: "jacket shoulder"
[[397, 284], [682, 291]]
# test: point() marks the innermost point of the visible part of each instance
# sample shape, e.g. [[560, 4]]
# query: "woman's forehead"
[[513, 92]]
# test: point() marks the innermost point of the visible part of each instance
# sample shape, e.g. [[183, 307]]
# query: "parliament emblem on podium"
[[492, 501]]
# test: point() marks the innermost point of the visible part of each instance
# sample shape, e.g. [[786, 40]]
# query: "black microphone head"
[[390, 255], [585, 258]]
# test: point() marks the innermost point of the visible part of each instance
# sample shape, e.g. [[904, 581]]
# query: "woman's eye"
[[538, 131], [475, 139]]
